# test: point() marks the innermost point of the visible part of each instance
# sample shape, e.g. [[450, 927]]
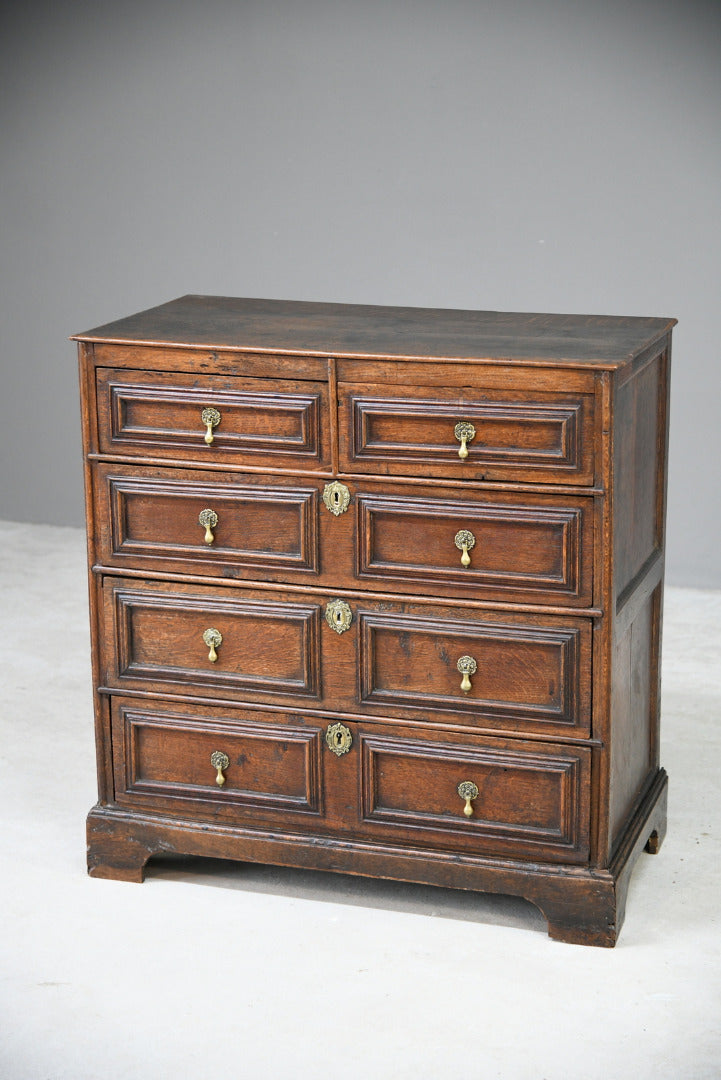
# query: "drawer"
[[538, 436], [163, 760], [531, 548], [212, 642], [528, 674], [523, 673], [271, 423], [525, 799], [198, 522]]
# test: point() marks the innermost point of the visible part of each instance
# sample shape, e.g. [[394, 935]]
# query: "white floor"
[[218, 970]]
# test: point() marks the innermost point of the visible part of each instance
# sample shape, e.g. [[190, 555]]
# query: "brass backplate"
[[336, 497], [338, 615], [339, 739]]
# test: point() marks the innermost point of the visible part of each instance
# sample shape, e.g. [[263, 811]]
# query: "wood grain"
[[559, 605]]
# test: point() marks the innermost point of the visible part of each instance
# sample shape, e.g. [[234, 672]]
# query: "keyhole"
[[338, 738], [336, 497]]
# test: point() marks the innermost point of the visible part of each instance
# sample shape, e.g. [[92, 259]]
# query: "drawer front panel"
[[162, 760], [270, 422], [529, 675], [267, 648], [531, 799], [518, 547], [154, 523], [534, 435]]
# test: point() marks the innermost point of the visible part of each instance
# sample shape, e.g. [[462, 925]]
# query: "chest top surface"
[[356, 330]]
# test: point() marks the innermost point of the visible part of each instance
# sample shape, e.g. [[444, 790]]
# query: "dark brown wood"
[[163, 762], [294, 327], [396, 659], [160, 414], [559, 605], [531, 546], [151, 520], [533, 673], [518, 436], [153, 634], [582, 908], [528, 801]]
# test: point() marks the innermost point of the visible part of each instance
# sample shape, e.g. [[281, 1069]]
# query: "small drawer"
[[212, 642], [273, 423], [215, 763], [537, 436], [523, 548], [214, 524], [487, 671], [493, 796]]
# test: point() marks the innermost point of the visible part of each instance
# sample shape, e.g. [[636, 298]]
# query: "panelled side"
[[639, 497]]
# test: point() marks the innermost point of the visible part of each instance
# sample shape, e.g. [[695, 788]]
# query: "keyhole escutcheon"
[[338, 615], [339, 739]]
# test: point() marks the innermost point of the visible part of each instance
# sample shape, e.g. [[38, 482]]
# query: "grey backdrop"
[[546, 155]]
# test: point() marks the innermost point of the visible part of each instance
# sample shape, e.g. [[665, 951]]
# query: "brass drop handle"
[[213, 639], [465, 433], [468, 791], [465, 541], [467, 667], [208, 519], [211, 419], [220, 762]]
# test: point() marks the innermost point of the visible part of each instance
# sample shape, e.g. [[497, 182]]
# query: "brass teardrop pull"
[[467, 666], [213, 639], [465, 433], [468, 791], [211, 418], [220, 763], [465, 541], [208, 519]]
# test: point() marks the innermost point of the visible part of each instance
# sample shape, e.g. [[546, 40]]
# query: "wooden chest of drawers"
[[379, 590]]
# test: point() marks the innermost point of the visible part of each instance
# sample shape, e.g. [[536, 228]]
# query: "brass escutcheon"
[[338, 615], [467, 667], [208, 519], [339, 739], [211, 418], [465, 433], [220, 762], [213, 639], [465, 540], [468, 791], [336, 497]]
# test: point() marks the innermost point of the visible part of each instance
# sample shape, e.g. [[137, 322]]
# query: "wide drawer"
[[171, 760], [271, 423], [213, 642], [519, 547], [524, 799], [528, 435], [526, 673], [257, 770]]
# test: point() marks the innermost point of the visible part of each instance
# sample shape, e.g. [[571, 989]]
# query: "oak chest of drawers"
[[379, 590]]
